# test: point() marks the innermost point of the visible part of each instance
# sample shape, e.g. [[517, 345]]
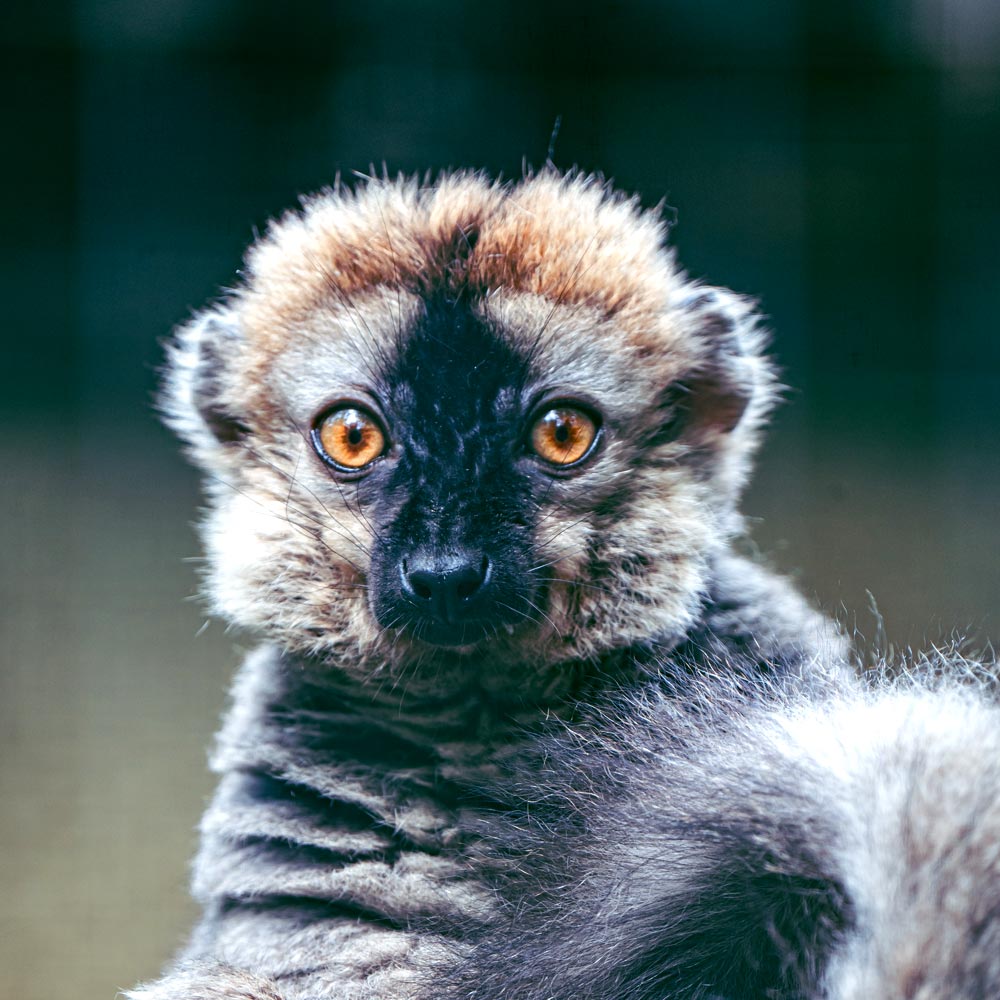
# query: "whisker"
[[578, 583], [542, 613], [309, 530], [519, 611], [566, 527], [331, 475], [318, 521]]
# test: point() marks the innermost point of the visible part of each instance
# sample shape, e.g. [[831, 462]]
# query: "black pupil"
[[355, 434], [562, 431]]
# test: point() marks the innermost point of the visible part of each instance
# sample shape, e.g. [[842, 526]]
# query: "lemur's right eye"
[[348, 438]]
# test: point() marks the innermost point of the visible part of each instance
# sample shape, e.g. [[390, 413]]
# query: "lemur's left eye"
[[349, 438], [564, 435]]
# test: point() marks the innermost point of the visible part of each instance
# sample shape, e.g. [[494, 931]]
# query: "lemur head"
[[469, 422]]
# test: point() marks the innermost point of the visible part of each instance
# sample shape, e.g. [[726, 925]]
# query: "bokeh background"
[[839, 160]]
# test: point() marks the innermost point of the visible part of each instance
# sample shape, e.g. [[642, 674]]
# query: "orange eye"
[[350, 438], [563, 435]]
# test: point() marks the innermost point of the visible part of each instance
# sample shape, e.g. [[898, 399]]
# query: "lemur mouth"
[[452, 635]]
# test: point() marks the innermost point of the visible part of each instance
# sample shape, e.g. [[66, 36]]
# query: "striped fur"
[[343, 852]]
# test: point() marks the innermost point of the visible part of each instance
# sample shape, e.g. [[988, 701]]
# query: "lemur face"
[[467, 421]]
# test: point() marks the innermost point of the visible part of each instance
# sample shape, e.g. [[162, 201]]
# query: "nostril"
[[445, 586], [419, 583], [469, 579]]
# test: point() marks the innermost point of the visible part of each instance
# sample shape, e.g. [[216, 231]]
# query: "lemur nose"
[[444, 586]]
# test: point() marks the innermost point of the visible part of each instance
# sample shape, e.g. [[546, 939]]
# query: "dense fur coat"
[[473, 456], [838, 842]]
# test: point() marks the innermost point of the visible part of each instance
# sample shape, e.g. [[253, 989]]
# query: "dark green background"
[[838, 160]]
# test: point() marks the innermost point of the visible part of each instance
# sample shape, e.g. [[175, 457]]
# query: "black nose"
[[444, 587]]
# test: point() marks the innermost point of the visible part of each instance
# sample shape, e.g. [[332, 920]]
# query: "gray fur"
[[837, 843], [368, 828], [341, 854]]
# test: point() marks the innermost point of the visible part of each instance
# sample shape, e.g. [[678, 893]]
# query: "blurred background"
[[838, 160]]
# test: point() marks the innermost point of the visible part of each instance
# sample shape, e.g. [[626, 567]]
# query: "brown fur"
[[573, 273], [567, 239]]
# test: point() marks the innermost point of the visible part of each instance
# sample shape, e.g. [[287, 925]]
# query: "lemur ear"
[[733, 386], [720, 409], [198, 398]]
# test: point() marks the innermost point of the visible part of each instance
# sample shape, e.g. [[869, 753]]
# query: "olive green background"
[[838, 160]]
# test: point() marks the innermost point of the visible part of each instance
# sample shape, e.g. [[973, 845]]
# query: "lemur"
[[522, 721]]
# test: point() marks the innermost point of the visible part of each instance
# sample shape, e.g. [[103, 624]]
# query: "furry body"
[[348, 848], [838, 843], [440, 616]]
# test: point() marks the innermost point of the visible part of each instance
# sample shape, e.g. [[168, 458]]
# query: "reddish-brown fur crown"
[[568, 239]]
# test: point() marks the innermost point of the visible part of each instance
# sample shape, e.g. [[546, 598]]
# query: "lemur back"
[[473, 457]]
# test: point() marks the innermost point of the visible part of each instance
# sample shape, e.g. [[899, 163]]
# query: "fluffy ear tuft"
[[197, 396], [729, 395]]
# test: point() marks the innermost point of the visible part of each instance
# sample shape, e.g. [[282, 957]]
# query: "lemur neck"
[[292, 700]]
